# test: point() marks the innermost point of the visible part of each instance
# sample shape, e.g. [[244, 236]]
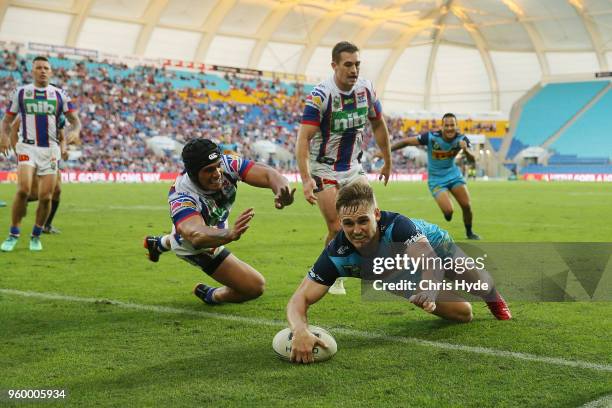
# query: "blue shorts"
[[436, 186]]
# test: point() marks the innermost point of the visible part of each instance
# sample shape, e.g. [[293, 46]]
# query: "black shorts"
[[206, 261]]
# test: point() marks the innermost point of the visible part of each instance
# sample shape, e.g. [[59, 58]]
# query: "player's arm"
[[407, 141], [75, 127], [465, 147], [424, 299], [193, 229], [381, 135], [261, 175], [302, 152], [308, 293], [5, 132], [15, 131], [63, 145]]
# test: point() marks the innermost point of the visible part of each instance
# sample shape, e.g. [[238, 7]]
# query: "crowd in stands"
[[121, 113]]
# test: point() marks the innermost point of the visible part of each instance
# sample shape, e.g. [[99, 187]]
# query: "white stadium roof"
[[434, 55]]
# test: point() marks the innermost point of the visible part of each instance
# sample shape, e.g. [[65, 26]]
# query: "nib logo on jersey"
[[349, 120], [40, 107]]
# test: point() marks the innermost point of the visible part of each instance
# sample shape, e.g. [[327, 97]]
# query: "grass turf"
[[110, 356]]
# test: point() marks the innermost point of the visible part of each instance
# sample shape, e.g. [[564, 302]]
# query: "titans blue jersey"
[[340, 258], [441, 154]]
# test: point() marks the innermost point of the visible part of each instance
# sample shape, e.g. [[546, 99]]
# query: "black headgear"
[[199, 153]]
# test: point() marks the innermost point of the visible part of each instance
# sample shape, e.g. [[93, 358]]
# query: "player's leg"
[[25, 174], [444, 202], [326, 199], [33, 189], [241, 282], [46, 184], [55, 200], [460, 192], [453, 308]]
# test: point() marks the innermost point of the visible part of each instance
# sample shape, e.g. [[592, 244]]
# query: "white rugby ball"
[[283, 339]]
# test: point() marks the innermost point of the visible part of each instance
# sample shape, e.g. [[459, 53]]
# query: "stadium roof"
[[463, 55]]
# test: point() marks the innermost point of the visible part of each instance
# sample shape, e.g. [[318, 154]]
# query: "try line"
[[355, 333]]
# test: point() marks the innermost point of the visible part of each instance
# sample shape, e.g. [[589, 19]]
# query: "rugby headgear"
[[199, 153]]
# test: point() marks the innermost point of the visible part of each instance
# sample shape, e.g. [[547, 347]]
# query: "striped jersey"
[[187, 199], [40, 109], [341, 118]]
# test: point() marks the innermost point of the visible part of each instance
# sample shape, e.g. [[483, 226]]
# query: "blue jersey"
[[341, 259], [441, 154]]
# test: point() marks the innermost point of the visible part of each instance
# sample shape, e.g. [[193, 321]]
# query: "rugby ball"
[[283, 339]]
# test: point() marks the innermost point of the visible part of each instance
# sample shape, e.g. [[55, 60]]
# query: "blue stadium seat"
[[549, 109], [589, 135]]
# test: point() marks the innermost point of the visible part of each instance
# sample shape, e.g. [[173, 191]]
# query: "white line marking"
[[349, 332], [603, 402]]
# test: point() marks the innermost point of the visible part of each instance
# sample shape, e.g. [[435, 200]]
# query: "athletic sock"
[[36, 231], [54, 205], [14, 232], [160, 244], [448, 217], [468, 229]]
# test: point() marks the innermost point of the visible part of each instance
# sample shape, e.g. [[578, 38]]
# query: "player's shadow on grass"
[[206, 372]]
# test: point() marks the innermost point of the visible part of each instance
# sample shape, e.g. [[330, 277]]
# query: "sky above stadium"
[[434, 55]]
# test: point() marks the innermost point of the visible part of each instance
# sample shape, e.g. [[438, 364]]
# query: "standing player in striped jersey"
[[39, 106], [331, 134]]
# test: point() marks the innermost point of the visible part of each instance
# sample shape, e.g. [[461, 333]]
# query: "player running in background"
[[57, 190], [331, 134], [39, 106], [442, 171], [367, 231], [200, 202]]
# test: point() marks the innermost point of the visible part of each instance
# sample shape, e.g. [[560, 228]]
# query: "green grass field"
[[138, 354]]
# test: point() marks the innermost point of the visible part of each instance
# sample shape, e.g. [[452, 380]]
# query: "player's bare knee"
[[463, 312], [23, 193], [256, 288]]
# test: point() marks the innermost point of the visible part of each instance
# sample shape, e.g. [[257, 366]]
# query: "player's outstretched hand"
[[241, 224], [302, 344], [463, 144], [284, 198], [309, 187], [5, 145], [425, 300], [385, 173]]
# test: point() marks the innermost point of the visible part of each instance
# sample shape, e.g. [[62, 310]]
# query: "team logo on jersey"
[[336, 103], [436, 146], [181, 204], [349, 101], [40, 107], [342, 120], [362, 97], [342, 250], [315, 101], [29, 93], [234, 162]]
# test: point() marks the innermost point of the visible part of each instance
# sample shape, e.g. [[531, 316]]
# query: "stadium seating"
[[589, 135], [549, 109]]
